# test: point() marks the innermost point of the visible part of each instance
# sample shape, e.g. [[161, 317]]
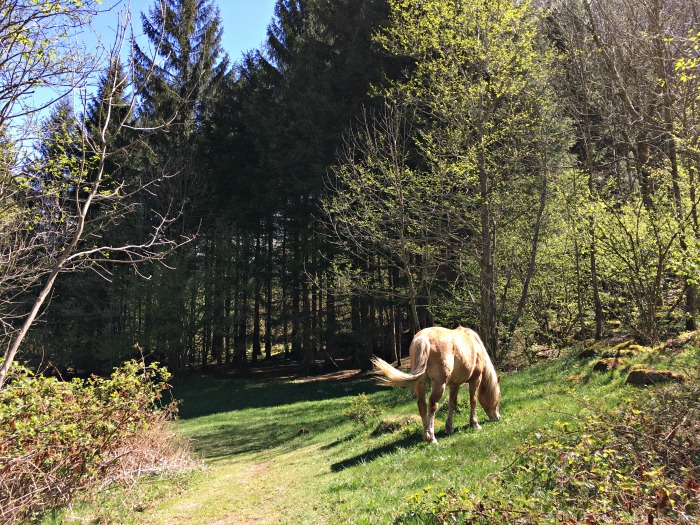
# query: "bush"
[[360, 410], [639, 463], [61, 439]]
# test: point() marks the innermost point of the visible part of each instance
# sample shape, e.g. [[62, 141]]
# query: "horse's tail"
[[420, 348]]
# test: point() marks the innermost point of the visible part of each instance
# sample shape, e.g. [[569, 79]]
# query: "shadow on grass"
[[370, 455], [208, 396], [227, 417], [338, 442], [228, 438]]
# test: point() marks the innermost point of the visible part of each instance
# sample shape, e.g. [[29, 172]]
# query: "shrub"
[[61, 439], [396, 423], [360, 410]]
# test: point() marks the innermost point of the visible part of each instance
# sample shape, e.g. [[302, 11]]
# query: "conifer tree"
[[180, 82]]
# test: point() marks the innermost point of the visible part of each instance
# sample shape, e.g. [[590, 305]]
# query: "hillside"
[[284, 452]]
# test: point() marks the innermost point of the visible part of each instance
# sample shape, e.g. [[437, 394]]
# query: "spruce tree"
[[178, 85]]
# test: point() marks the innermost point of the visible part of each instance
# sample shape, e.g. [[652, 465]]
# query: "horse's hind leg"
[[452, 404], [435, 396], [419, 387]]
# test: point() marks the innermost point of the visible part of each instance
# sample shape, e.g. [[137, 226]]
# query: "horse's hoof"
[[433, 442]]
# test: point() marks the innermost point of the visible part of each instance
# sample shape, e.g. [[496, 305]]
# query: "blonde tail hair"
[[420, 348]]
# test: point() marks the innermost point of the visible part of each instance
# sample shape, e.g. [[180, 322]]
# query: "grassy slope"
[[262, 469]]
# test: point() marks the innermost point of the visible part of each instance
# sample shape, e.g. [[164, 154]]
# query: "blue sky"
[[244, 21]]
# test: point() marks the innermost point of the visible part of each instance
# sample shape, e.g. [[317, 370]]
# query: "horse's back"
[[453, 353]]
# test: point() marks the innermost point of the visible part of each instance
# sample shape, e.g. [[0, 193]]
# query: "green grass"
[[284, 452], [263, 470]]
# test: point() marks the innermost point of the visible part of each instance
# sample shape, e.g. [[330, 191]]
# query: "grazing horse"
[[448, 357]]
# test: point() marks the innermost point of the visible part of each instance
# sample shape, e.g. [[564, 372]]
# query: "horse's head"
[[490, 397]]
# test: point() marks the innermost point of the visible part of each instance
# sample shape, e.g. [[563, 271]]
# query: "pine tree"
[[179, 84], [187, 37]]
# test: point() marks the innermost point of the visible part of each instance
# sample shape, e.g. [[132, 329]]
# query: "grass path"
[[282, 452]]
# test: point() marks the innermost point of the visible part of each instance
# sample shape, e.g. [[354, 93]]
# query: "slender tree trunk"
[[597, 304], [489, 326], [533, 256], [669, 138], [268, 289], [227, 323], [296, 291], [257, 283], [38, 303], [692, 294], [331, 321], [240, 300], [395, 317], [284, 285], [364, 353], [306, 312]]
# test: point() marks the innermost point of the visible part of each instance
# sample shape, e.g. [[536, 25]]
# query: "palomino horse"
[[448, 357]]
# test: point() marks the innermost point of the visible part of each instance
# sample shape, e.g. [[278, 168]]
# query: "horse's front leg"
[[452, 404], [435, 396], [473, 391]]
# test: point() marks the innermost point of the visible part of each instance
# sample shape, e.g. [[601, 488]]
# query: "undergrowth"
[[637, 463], [61, 440], [360, 410]]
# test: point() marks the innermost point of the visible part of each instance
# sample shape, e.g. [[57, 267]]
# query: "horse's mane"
[[489, 377]]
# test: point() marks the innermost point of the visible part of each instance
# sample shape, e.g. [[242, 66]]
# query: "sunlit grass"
[[284, 452]]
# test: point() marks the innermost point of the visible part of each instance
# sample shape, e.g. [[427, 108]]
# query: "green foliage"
[[457, 164], [635, 463], [59, 439], [361, 410]]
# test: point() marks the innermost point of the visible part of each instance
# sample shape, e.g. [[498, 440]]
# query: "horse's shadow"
[[370, 455]]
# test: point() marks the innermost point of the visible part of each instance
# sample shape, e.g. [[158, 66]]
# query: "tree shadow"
[[339, 442], [208, 396], [370, 455]]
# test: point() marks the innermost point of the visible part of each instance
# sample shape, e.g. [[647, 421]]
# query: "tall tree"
[[623, 90], [480, 82], [184, 76], [298, 97], [78, 167]]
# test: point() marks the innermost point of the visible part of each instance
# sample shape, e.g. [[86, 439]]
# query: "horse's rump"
[[419, 351]]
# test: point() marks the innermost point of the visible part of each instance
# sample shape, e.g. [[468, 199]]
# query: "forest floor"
[[281, 449]]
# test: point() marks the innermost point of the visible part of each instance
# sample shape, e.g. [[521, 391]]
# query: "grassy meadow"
[[285, 451]]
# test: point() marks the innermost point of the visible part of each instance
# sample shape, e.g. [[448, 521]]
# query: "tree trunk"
[[268, 290], [588, 145], [531, 265], [257, 283], [489, 326]]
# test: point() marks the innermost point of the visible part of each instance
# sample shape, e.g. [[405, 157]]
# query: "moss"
[[587, 353], [639, 349], [648, 376]]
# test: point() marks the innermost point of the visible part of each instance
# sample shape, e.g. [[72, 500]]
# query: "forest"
[[528, 169]]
